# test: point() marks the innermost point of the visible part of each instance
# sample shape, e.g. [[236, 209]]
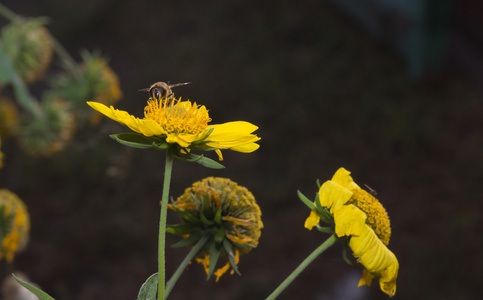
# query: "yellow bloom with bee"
[[170, 121], [361, 218]]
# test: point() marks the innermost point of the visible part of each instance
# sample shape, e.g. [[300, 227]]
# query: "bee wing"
[[178, 84]]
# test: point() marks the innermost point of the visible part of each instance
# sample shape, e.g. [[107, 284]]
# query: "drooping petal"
[[376, 258], [342, 177], [312, 220], [366, 279], [349, 221], [333, 195]]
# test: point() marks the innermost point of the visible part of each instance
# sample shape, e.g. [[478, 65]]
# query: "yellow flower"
[[226, 213], [360, 217], [14, 224], [185, 124]]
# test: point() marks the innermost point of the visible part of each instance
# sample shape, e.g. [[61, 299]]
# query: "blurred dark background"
[[390, 91]]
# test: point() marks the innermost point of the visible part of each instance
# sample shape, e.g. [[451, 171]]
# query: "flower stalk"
[[329, 242], [162, 224]]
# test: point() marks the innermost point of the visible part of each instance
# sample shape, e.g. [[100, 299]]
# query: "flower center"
[[377, 216], [177, 117]]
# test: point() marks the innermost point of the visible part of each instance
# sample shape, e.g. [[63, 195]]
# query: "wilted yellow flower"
[[361, 217], [8, 116], [28, 45], [185, 124], [14, 224], [1, 153], [226, 213], [49, 132]]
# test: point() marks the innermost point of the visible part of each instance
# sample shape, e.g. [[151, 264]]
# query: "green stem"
[[162, 223], [7, 13], [69, 62], [329, 242], [194, 251]]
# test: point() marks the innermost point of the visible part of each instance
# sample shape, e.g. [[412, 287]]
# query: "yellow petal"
[[333, 195], [376, 259], [312, 220], [349, 221], [342, 177], [234, 135], [144, 126], [247, 148], [366, 279]]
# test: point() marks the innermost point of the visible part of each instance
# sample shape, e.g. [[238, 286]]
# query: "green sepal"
[[220, 235], [231, 255], [324, 229], [317, 202], [206, 162], [185, 215], [189, 241], [325, 215], [218, 216], [344, 255], [134, 140], [160, 145], [205, 219], [214, 255], [318, 183], [149, 288], [306, 201], [36, 291], [201, 141], [180, 229]]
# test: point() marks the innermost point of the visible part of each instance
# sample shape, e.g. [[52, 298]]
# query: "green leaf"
[[306, 201], [36, 291], [206, 162], [149, 288], [135, 140]]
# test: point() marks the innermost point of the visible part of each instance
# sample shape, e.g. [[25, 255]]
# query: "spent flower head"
[[1, 153], [92, 79], [14, 224], [9, 116], [181, 126], [29, 46], [360, 219], [224, 212], [50, 131]]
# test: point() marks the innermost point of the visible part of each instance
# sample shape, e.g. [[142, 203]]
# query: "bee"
[[161, 90]]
